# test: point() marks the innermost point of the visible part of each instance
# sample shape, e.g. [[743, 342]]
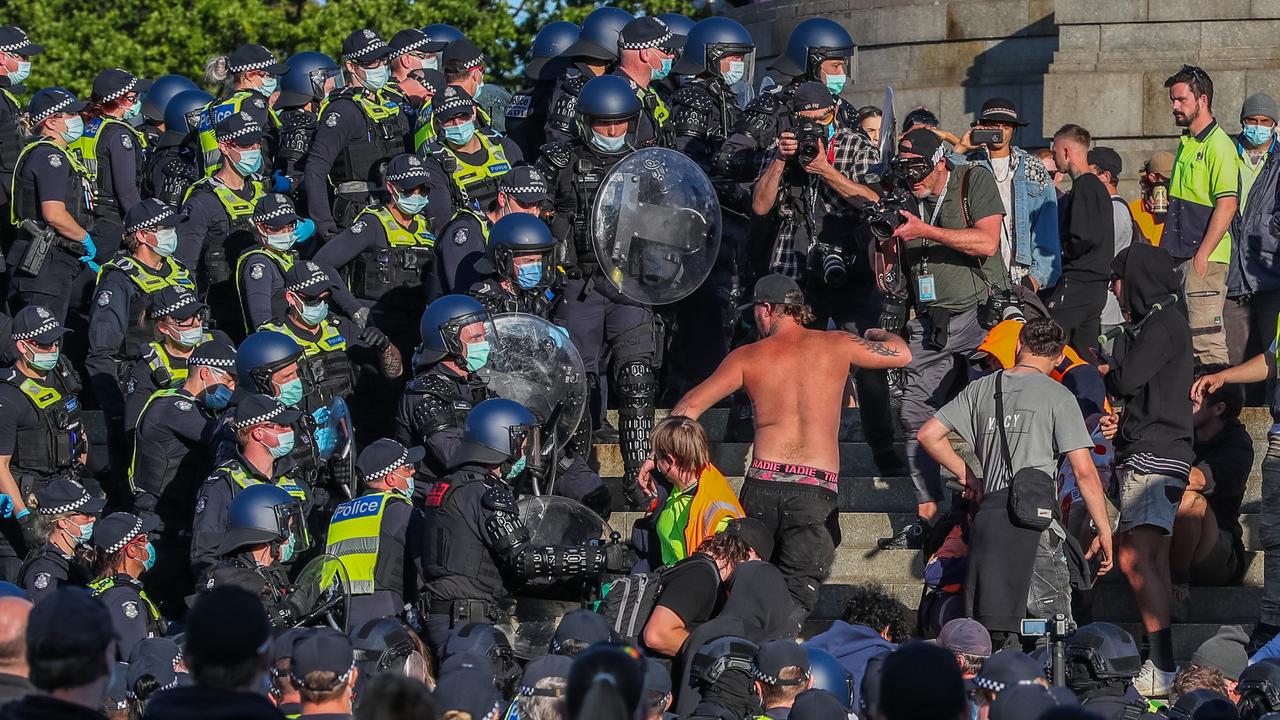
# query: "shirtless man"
[[796, 380]]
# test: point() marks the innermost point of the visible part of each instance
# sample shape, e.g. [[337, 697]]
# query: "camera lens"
[[807, 151], [834, 270]]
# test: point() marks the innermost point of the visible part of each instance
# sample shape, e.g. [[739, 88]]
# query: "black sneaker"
[[606, 434], [910, 537]]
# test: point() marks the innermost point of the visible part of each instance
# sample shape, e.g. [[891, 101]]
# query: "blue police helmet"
[[303, 82], [164, 89], [442, 322], [1106, 650], [261, 513], [811, 42], [678, 24], [608, 97], [182, 116], [720, 655], [261, 355], [1259, 689], [709, 41], [519, 234], [552, 40], [599, 39], [441, 32], [493, 432], [828, 674]]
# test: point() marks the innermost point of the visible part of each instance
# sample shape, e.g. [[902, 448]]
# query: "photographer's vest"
[[475, 184], [410, 253], [355, 534], [155, 626], [97, 165], [25, 203], [328, 369], [57, 440], [214, 113], [141, 326], [214, 264], [358, 169], [283, 262]]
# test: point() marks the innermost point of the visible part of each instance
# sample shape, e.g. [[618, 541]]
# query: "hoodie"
[[44, 707], [201, 703], [1153, 366], [853, 646]]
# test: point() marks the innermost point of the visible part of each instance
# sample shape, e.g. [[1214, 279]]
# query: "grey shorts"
[[1148, 499]]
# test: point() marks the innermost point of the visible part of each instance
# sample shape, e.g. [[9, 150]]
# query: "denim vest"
[[1035, 216]]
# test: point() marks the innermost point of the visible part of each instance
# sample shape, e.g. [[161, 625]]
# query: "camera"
[[1001, 306], [809, 135], [829, 262], [986, 137], [1057, 627], [883, 216]]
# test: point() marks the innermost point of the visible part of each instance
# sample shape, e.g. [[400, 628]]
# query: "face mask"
[[528, 276], [476, 355], [291, 392], [284, 445], [517, 468], [662, 72], [75, 128], [289, 548], [190, 337], [150, 562], [431, 62], [411, 204], [313, 314], [217, 397], [460, 134], [249, 162], [43, 361], [606, 143], [375, 78], [86, 532], [133, 110], [737, 68], [408, 488], [269, 85], [280, 241], [834, 83], [22, 73], [166, 242], [1257, 134]]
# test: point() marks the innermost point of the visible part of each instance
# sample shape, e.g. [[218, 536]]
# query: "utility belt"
[[461, 612]]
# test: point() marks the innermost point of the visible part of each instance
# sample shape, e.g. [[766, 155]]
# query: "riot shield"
[[888, 140], [323, 591], [656, 226], [534, 363], [343, 458]]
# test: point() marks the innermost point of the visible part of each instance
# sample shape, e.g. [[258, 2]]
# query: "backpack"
[[627, 603]]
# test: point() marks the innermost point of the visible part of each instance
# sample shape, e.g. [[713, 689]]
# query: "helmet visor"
[[722, 61], [469, 329]]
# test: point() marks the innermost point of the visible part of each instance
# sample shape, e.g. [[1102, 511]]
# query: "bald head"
[[13, 635]]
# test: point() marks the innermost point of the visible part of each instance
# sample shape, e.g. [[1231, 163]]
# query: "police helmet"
[[520, 234], [162, 90], [1259, 689], [811, 42], [599, 38], [261, 355], [182, 116], [442, 324], [484, 640], [1105, 650], [494, 433], [608, 97], [261, 513], [678, 24], [1202, 704], [828, 674], [550, 42], [381, 645], [304, 80], [441, 32], [719, 656], [711, 40]]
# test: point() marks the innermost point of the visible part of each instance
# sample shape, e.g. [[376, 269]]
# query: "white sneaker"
[[1153, 682]]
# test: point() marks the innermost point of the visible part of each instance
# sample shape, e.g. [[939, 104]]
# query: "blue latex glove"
[[305, 229], [6, 506], [281, 183], [321, 416], [560, 335], [89, 248], [326, 440]]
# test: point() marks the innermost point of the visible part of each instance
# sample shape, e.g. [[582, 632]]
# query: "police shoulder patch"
[[357, 227], [42, 580], [130, 609], [332, 119], [256, 271], [258, 103], [55, 160], [104, 298], [200, 503], [127, 142], [131, 387], [460, 236], [183, 405]]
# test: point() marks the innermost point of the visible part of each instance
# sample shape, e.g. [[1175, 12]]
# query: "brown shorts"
[[793, 473]]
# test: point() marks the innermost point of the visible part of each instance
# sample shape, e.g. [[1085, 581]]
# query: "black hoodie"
[[200, 703], [1153, 370]]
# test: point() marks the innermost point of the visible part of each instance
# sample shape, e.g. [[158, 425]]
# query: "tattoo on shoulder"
[[875, 347]]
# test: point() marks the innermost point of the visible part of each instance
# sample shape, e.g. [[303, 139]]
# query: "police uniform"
[[562, 110], [460, 253], [297, 130], [432, 412], [473, 176], [47, 568], [13, 135], [260, 271], [270, 583], [326, 350], [251, 101], [172, 163], [652, 126], [530, 107], [133, 615], [160, 367]]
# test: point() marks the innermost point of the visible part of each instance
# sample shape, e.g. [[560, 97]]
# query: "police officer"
[[264, 532], [472, 158], [370, 533], [264, 437], [309, 79], [1102, 661], [720, 678], [250, 76], [527, 113], [66, 514], [387, 253], [41, 436], [260, 271], [217, 220], [16, 51], [358, 133], [464, 243], [647, 50], [473, 537], [173, 453], [410, 51], [463, 65], [122, 553], [1259, 689], [525, 280], [52, 190], [593, 54], [156, 100], [421, 87], [597, 315], [173, 163]]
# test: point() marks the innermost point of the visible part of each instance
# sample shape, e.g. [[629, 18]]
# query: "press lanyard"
[[933, 219]]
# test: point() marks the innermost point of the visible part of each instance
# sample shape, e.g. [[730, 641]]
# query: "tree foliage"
[[159, 37]]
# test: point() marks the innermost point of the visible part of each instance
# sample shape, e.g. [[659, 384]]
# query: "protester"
[[14, 670], [70, 656]]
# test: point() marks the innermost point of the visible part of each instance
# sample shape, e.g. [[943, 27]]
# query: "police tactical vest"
[[283, 261], [476, 185], [170, 463], [57, 442], [25, 204], [215, 266], [363, 161], [588, 173], [97, 164], [167, 370], [141, 327], [12, 135], [214, 113], [327, 368], [355, 534], [239, 478], [454, 548], [408, 256], [155, 626], [658, 114]]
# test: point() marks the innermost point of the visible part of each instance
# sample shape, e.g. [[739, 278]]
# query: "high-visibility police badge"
[[55, 160], [331, 119], [130, 609], [255, 272], [41, 580]]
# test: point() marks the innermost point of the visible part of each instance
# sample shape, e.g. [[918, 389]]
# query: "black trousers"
[[803, 520], [1077, 307], [1001, 559]]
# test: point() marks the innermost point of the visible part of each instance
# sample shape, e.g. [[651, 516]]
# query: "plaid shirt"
[[804, 211]]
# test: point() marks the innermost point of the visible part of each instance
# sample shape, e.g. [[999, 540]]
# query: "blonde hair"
[[685, 440]]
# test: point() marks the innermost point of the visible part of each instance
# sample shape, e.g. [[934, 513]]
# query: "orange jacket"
[[714, 504]]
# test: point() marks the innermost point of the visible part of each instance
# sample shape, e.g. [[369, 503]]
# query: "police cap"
[[114, 83], [649, 32], [468, 690], [776, 655], [453, 102], [1008, 668], [275, 210], [37, 324], [657, 678], [178, 303], [63, 495], [816, 704], [583, 626], [14, 40], [258, 409], [68, 624], [226, 626], [482, 639], [157, 647], [526, 184], [51, 101], [412, 40], [150, 213], [431, 79], [254, 57], [407, 172], [462, 54], [117, 691], [321, 650], [364, 46], [217, 354], [309, 280], [113, 532], [540, 668], [239, 128], [161, 672], [384, 455], [1025, 702]]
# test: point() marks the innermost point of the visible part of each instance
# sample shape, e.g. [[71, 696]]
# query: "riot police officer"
[[387, 253], [251, 76], [173, 164], [527, 113], [155, 101], [217, 220], [461, 251], [456, 331], [264, 433], [41, 436], [719, 56], [122, 553], [647, 51], [260, 271], [16, 51], [592, 54], [371, 533], [525, 280], [51, 190], [473, 537], [264, 532], [65, 513], [358, 133], [172, 454], [310, 77], [597, 315], [1102, 661], [1259, 689], [472, 158]]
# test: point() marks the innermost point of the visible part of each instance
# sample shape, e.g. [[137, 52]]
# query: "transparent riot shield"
[[323, 590], [534, 363]]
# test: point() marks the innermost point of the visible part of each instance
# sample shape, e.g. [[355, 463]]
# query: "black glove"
[[618, 558], [32, 538], [374, 338], [287, 612]]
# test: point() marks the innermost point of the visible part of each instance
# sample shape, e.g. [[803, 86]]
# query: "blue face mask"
[[476, 355], [166, 242], [662, 72], [22, 73], [284, 445], [290, 393], [281, 241], [529, 276], [289, 548], [44, 361], [460, 134], [517, 468], [269, 85], [249, 162], [1257, 135], [150, 562], [411, 204], [376, 78], [86, 533], [737, 68], [134, 110], [190, 337], [313, 313], [75, 128], [834, 83], [217, 397], [606, 143]]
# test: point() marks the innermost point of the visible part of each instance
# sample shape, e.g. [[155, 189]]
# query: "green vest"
[[331, 339], [85, 147], [149, 281], [480, 218], [101, 585], [237, 210], [480, 182], [76, 169], [215, 112], [354, 535], [163, 371], [399, 236]]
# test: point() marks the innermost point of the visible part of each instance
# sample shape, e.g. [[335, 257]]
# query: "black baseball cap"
[[772, 289], [453, 102], [816, 704], [225, 626], [322, 650], [215, 353], [384, 455], [407, 172], [923, 142], [240, 128], [113, 532], [254, 57], [34, 322], [1107, 160], [411, 40], [364, 46], [545, 666], [69, 624], [775, 655], [1006, 669], [114, 83], [464, 53], [275, 210], [63, 495], [526, 184], [999, 110], [257, 409], [309, 280], [176, 302], [752, 531], [13, 39], [649, 32], [469, 690], [812, 96], [583, 626], [51, 101], [150, 213]]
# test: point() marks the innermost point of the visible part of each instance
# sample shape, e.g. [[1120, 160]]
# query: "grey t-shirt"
[[1042, 420]]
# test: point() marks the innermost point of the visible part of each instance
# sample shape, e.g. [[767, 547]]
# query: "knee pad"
[[637, 385]]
